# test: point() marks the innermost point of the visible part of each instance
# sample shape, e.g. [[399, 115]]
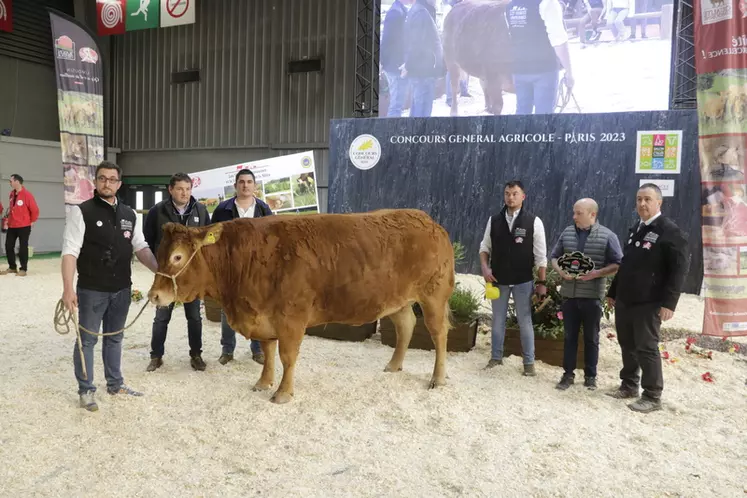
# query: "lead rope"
[[64, 318]]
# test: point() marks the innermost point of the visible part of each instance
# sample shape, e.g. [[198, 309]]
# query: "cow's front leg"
[[268, 370], [289, 347]]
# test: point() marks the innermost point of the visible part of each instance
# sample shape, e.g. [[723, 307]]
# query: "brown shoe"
[[155, 363], [225, 358], [21, 273], [8, 271]]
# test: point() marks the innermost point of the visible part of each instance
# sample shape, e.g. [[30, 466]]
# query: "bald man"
[[583, 295]]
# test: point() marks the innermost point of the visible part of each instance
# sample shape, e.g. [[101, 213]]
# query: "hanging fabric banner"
[[80, 104], [721, 66]]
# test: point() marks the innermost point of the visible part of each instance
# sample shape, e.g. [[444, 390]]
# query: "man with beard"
[[100, 237], [244, 205], [184, 209]]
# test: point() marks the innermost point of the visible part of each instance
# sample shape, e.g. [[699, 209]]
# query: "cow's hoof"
[[261, 387], [392, 368], [436, 383], [281, 398]]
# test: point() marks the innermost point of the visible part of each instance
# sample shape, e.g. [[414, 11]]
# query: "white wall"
[[39, 163]]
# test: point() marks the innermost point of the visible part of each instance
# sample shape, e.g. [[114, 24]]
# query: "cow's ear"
[[213, 234]]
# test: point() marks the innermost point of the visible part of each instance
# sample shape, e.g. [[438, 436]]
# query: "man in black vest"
[[100, 237], [538, 40], [513, 244], [645, 292], [244, 205], [184, 209], [582, 304]]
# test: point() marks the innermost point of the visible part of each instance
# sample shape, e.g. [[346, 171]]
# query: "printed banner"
[[6, 15], [721, 64], [177, 12], [286, 183], [80, 104]]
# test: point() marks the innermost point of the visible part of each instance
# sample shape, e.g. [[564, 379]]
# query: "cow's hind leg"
[[268, 370], [404, 323], [289, 347], [436, 315]]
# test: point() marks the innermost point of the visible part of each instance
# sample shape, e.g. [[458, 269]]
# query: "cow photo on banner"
[[720, 33], [286, 183], [80, 104]]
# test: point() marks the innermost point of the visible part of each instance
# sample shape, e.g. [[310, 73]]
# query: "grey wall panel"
[[245, 97]]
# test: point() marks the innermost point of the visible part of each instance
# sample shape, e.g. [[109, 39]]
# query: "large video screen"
[[482, 57]]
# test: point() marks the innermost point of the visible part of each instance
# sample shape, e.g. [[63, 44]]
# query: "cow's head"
[[183, 273]]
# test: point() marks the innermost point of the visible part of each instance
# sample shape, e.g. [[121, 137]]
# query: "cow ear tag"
[[210, 238]]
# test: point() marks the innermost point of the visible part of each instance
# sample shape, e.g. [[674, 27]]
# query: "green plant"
[[459, 252], [547, 313], [464, 304]]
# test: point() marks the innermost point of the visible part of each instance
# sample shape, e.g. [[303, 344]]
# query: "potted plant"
[[464, 305], [547, 318]]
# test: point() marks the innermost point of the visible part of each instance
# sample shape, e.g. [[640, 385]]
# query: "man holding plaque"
[[513, 244], [584, 255], [645, 292]]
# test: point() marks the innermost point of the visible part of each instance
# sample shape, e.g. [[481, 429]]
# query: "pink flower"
[[707, 377], [560, 315]]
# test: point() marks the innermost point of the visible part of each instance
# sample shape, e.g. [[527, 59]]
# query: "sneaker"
[[225, 358], [8, 271], [21, 273], [529, 370], [623, 393], [566, 381], [155, 364], [88, 402], [590, 382], [197, 363], [645, 405], [493, 363], [259, 358], [123, 389]]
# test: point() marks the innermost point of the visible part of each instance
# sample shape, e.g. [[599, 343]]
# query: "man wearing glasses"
[[99, 239]]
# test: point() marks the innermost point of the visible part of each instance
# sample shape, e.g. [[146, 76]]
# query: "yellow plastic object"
[[492, 292]]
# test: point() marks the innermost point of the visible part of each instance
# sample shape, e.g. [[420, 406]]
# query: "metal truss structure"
[[367, 58], [684, 80]]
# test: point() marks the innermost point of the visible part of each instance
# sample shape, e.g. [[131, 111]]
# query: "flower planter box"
[[549, 351], [342, 332], [212, 310], [461, 338]]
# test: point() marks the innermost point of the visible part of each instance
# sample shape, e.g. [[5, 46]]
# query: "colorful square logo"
[[659, 152]]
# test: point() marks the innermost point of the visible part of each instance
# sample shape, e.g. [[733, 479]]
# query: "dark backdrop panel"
[[461, 184]]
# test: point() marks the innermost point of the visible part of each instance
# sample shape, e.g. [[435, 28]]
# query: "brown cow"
[[275, 276], [476, 40]]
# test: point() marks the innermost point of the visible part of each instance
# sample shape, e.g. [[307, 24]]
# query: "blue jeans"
[[398, 87], [423, 93], [161, 325], [93, 308], [523, 301], [577, 312], [538, 92], [228, 338], [463, 90]]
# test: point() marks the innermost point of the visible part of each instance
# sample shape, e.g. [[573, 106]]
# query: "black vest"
[[530, 45], [512, 253], [105, 260]]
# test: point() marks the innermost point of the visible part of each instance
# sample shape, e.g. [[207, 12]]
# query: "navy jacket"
[[393, 42], [227, 211]]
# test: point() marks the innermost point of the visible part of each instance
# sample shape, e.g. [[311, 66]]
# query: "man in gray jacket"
[[583, 294], [182, 208]]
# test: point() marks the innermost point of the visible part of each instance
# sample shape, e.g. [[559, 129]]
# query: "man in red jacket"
[[23, 213]]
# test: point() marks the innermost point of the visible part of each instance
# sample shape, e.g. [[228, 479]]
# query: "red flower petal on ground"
[[707, 377], [691, 340], [736, 347], [665, 355]]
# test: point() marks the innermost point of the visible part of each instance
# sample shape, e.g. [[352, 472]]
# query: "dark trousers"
[[95, 307], [578, 312], [22, 236], [638, 333], [161, 325]]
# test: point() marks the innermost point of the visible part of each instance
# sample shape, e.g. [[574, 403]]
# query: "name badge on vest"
[[126, 227], [519, 234], [651, 237]]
